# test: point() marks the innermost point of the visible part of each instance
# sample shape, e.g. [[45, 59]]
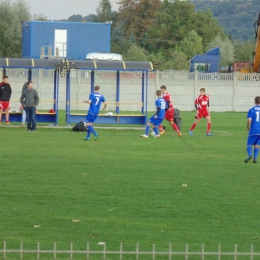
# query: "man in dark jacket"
[[5, 95], [29, 100]]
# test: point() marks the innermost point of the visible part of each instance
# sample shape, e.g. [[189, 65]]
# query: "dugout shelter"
[[93, 67], [118, 67], [31, 64]]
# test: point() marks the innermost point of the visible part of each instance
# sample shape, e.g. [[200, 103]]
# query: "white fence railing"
[[120, 254]]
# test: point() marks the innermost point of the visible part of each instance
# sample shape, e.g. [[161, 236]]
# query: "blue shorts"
[[253, 140], [90, 118], [155, 121]]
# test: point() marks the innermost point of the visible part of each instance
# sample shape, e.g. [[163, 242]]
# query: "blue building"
[[70, 40], [209, 62]]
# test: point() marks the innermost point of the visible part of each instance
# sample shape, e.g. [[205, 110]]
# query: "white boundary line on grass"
[[226, 133]]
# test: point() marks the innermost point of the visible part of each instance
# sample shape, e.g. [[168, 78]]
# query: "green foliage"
[[244, 50], [136, 53], [192, 44], [226, 49], [126, 189], [236, 17], [76, 18], [12, 14], [207, 26], [170, 59], [136, 17], [39, 17], [103, 10]]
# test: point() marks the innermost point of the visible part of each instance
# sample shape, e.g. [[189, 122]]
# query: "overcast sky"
[[63, 9]]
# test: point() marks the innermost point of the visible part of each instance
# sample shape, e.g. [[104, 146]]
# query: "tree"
[[39, 17], [13, 14], [192, 44], [136, 53], [207, 26], [226, 49], [244, 51], [103, 10], [76, 18], [137, 16], [174, 20]]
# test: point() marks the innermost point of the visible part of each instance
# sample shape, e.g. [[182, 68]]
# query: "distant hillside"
[[236, 16]]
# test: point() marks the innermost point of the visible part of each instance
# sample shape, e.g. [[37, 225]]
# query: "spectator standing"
[[253, 126], [23, 110], [5, 95], [158, 117], [202, 110], [29, 100], [94, 101]]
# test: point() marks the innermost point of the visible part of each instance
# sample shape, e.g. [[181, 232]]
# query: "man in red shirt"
[[169, 114], [202, 110], [5, 95]]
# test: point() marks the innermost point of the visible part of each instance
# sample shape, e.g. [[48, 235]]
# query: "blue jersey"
[[254, 114], [160, 102], [96, 99]]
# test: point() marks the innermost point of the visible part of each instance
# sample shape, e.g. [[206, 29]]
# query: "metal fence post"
[[170, 252], [4, 253], [71, 250], [235, 253], [219, 249], [137, 251], [21, 250], [187, 250], [121, 251]]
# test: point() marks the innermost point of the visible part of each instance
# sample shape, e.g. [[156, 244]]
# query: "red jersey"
[[168, 99], [202, 102]]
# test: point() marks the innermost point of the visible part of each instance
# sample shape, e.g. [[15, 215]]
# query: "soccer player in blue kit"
[[158, 117], [253, 126], [94, 101]]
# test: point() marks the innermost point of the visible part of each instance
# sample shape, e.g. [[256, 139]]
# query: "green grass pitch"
[[126, 189]]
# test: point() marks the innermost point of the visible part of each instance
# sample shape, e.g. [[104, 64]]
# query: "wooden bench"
[[41, 117], [110, 119]]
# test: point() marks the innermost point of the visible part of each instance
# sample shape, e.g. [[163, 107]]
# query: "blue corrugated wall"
[[82, 38]]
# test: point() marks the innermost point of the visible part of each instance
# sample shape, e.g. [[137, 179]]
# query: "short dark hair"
[[163, 87], [257, 100], [28, 82], [203, 89], [158, 92], [97, 87], [5, 77]]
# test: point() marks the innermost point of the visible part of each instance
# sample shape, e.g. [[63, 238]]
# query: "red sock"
[[160, 128], [175, 127], [208, 127], [193, 126]]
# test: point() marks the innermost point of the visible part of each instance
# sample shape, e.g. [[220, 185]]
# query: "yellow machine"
[[247, 66], [256, 59]]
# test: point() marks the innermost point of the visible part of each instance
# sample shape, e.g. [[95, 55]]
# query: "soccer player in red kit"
[[202, 110], [5, 95], [169, 114]]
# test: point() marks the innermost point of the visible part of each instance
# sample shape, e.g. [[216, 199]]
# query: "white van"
[[103, 56]]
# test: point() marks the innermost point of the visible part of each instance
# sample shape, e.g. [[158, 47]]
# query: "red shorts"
[[169, 117], [4, 104], [202, 113]]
